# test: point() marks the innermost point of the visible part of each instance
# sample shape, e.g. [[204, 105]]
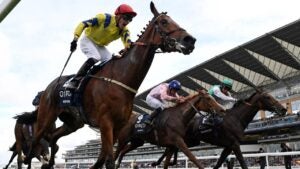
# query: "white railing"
[[256, 155]]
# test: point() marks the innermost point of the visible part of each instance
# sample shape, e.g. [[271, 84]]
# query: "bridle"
[[260, 106], [167, 43]]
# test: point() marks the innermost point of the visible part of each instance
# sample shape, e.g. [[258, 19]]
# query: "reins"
[[197, 111]]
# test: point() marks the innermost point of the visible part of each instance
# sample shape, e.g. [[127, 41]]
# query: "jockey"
[[221, 92], [222, 95], [159, 95], [99, 32]]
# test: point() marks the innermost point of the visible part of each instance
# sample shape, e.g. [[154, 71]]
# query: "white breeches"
[[155, 103], [91, 50]]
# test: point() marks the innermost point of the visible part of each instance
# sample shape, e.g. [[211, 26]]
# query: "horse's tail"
[[27, 117], [13, 148]]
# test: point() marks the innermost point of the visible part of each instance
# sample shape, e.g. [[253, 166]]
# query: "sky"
[[35, 39]]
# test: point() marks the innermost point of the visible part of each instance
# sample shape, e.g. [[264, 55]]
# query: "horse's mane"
[[187, 98], [26, 117], [240, 101], [164, 13]]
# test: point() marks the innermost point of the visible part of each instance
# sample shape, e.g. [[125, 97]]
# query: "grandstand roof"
[[270, 61]]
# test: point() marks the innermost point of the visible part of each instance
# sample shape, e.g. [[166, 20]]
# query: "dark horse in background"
[[24, 135], [230, 132], [107, 98], [169, 126]]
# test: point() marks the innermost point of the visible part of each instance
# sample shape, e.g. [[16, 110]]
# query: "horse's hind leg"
[[44, 121], [58, 133], [11, 159], [29, 164], [223, 156], [183, 147], [20, 158]]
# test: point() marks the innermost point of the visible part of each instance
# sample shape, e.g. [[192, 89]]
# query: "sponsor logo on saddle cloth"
[[68, 97], [140, 126]]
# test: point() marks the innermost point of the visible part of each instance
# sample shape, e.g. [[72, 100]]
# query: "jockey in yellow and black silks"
[[98, 32]]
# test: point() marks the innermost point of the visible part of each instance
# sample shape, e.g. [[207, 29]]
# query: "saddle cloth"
[[140, 126]]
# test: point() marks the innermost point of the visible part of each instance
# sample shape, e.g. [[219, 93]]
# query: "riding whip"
[[64, 67]]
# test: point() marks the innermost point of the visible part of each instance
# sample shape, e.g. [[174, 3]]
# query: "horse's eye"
[[164, 22]]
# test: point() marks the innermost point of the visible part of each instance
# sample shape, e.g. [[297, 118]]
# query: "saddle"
[[72, 97], [202, 126]]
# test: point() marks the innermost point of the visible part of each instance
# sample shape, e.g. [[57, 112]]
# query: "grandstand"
[[271, 62]]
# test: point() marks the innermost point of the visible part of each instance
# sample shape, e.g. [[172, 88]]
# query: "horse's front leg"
[[161, 158], [183, 147], [168, 158], [175, 157], [237, 151], [226, 151], [106, 155]]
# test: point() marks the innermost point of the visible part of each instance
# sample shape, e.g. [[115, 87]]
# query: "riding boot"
[[74, 82], [153, 115]]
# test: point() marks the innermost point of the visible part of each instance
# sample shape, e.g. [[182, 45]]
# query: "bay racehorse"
[[170, 126], [230, 132], [23, 135], [107, 98]]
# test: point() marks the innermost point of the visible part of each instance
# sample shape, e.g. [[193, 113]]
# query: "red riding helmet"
[[125, 9]]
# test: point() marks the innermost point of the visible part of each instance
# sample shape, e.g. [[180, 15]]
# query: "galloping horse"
[[23, 135], [107, 98], [231, 131], [171, 126]]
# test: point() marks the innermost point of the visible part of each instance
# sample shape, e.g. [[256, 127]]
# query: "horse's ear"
[[153, 9]]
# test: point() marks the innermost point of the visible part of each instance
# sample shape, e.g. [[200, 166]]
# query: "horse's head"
[[168, 35], [267, 102], [207, 103]]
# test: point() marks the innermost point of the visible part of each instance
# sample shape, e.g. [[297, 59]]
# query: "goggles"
[[127, 18]]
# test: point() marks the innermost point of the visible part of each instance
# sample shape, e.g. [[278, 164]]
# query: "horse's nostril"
[[189, 40]]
